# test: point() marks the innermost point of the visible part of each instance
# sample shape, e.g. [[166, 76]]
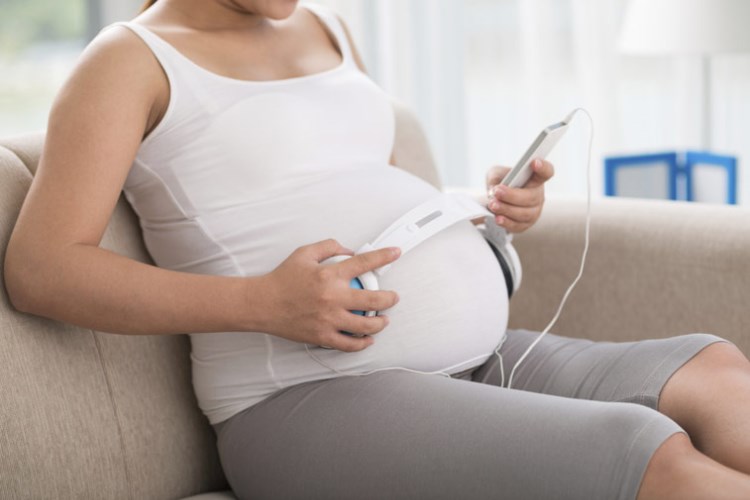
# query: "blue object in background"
[[727, 165], [617, 170], [673, 176]]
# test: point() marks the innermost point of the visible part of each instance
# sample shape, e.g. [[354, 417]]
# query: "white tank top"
[[238, 174]]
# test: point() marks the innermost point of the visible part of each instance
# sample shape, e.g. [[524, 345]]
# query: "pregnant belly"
[[452, 312], [453, 306]]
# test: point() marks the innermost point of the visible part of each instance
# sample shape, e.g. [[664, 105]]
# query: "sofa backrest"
[[86, 414]]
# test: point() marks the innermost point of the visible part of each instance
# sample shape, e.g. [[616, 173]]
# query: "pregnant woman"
[[252, 145]]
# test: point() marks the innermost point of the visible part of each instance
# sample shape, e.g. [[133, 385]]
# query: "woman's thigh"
[[403, 435], [632, 372]]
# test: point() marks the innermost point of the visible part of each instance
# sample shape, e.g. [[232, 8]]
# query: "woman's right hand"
[[306, 301]]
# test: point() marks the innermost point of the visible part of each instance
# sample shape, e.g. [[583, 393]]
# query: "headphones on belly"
[[428, 219]]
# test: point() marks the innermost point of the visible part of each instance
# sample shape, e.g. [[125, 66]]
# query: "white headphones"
[[428, 219], [437, 214]]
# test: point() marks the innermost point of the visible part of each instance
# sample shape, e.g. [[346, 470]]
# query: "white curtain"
[[484, 76]]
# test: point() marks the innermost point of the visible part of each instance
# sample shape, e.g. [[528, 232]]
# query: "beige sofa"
[[92, 415]]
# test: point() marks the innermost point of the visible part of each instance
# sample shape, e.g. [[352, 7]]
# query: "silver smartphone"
[[540, 148]]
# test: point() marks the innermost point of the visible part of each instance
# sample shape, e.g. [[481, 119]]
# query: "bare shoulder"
[[119, 52], [116, 68], [94, 131]]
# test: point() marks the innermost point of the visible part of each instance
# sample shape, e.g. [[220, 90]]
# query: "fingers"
[[349, 299], [543, 171], [367, 261], [517, 209], [517, 214], [322, 250], [513, 226], [315, 302], [359, 330], [519, 197], [347, 343], [521, 215], [368, 300], [362, 325]]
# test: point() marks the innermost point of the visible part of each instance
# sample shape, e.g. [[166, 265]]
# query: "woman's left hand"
[[517, 209]]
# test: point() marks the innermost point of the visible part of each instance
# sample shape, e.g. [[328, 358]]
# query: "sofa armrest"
[[654, 269]]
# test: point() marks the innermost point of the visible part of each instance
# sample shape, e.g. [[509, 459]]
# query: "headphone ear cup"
[[514, 263], [499, 241], [510, 264]]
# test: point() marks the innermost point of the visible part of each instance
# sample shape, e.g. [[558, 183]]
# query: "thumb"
[[322, 250]]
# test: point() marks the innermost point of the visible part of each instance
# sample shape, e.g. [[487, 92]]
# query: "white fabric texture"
[[238, 174]]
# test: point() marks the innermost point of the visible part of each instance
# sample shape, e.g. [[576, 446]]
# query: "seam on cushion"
[[22, 156], [25, 162], [116, 414], [12, 153]]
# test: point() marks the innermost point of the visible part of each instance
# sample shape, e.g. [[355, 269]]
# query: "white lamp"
[[698, 27]]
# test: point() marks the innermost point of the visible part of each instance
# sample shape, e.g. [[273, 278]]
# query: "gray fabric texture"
[[402, 435]]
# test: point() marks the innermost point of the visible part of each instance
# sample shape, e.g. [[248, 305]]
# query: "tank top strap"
[[163, 51], [330, 19]]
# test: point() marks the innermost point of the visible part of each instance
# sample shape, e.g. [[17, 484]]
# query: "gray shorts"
[[580, 423]]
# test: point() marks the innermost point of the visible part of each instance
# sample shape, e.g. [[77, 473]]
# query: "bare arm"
[[55, 268]]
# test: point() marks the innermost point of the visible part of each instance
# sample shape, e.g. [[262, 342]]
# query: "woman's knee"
[[672, 452], [721, 354], [667, 465], [716, 358], [696, 388]]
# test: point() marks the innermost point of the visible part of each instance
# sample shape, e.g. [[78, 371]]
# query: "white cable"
[[583, 258], [357, 374]]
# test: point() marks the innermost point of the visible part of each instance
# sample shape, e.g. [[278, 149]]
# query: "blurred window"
[[40, 41]]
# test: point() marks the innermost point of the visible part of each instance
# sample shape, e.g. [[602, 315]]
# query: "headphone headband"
[[424, 221]]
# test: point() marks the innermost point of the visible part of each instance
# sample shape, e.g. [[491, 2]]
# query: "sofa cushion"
[[219, 495], [26, 147], [96, 415], [56, 418], [655, 269]]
